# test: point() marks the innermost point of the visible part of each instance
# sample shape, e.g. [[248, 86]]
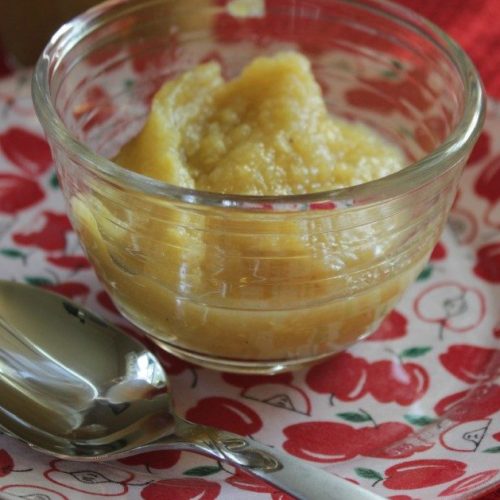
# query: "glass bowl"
[[244, 283]]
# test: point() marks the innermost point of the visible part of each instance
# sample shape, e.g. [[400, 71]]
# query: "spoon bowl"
[[74, 385], [77, 388]]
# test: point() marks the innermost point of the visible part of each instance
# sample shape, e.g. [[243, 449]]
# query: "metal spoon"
[[77, 388]]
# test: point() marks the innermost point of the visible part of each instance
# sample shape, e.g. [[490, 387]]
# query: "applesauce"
[[267, 132], [253, 287]]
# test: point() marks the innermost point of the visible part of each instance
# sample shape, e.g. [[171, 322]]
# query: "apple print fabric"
[[413, 412]]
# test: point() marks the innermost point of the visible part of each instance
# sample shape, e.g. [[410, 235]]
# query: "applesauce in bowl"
[[210, 245]]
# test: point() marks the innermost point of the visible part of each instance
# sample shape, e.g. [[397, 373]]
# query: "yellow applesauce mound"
[[267, 132], [240, 285]]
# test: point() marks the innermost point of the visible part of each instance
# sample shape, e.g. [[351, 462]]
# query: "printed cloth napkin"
[[411, 413]]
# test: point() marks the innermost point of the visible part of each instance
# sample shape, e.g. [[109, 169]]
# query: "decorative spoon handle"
[[289, 474]]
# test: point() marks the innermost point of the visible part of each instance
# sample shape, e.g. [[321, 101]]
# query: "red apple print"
[[343, 376], [452, 306], [487, 186], [182, 489], [48, 232], [154, 459], [313, 35], [330, 442], [393, 381], [26, 150], [474, 404], [89, 478], [385, 95], [70, 289], [287, 397], [229, 29], [155, 61], [323, 205], [18, 193], [400, 497], [323, 442], [32, 492], [6, 463], [247, 381], [481, 149], [380, 441], [104, 53], [227, 414], [280, 495], [351, 480], [429, 132], [491, 493], [105, 301], [453, 404], [439, 252], [96, 108], [488, 263], [349, 378], [394, 326], [496, 332], [148, 56], [423, 473], [246, 482], [367, 99], [74, 262], [470, 483], [465, 436], [470, 363]]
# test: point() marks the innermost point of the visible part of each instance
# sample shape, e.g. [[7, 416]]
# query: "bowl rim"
[[456, 146]]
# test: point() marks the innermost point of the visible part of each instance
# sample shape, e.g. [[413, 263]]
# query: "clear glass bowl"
[[257, 284]]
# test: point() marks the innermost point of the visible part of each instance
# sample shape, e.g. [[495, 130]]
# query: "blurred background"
[[26, 26]]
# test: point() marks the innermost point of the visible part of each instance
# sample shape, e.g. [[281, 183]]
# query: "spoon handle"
[[289, 474]]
